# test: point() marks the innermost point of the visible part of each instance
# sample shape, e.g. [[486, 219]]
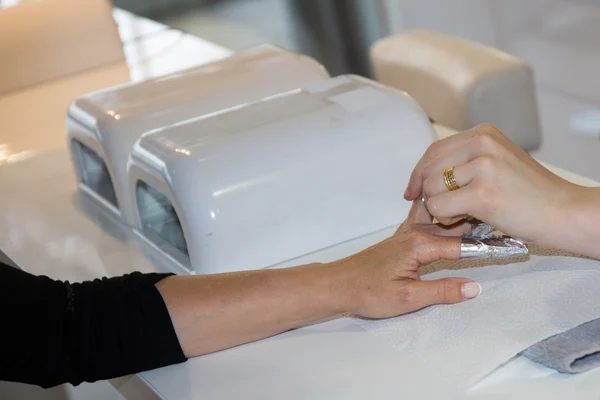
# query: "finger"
[[460, 228], [475, 197], [483, 139], [452, 221], [430, 248], [438, 148], [447, 207], [418, 213], [463, 175], [442, 291]]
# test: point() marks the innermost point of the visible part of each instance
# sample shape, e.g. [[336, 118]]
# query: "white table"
[[73, 240]]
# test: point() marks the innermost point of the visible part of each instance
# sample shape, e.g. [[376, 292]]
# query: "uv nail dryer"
[[276, 179], [102, 127]]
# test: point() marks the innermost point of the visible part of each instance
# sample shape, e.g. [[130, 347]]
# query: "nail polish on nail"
[[470, 290]]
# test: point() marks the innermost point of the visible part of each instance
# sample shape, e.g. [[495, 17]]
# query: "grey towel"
[[574, 351]]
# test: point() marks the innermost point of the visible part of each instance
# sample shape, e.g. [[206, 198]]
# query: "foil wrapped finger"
[[478, 247]]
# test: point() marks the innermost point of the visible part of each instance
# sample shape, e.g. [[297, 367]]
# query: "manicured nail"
[[470, 290], [406, 192]]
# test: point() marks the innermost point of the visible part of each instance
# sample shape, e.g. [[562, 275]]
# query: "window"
[[158, 216], [94, 173]]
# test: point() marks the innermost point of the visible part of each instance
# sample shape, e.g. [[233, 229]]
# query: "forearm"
[[214, 312], [54, 332], [580, 227]]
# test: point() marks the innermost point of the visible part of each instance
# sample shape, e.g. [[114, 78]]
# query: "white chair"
[[48, 39]]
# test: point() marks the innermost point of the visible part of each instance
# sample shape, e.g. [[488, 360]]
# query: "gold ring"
[[449, 179]]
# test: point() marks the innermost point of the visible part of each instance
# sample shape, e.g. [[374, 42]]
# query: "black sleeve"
[[53, 332]]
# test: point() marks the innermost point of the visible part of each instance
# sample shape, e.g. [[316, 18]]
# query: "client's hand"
[[214, 312], [383, 280], [498, 182]]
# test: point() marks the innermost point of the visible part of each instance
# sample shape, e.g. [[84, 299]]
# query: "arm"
[[581, 223], [214, 312], [502, 185], [54, 332]]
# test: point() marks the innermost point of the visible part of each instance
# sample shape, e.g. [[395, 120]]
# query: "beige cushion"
[[48, 39], [460, 83]]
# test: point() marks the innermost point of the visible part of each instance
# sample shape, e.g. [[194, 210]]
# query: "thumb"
[[443, 291]]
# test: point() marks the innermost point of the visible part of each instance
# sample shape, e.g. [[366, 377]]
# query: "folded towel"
[[571, 352]]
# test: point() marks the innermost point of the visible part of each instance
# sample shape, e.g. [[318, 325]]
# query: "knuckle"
[[492, 132], [485, 200], [434, 146], [418, 243], [402, 231], [480, 191], [417, 239], [433, 206], [486, 127], [407, 294], [486, 143], [433, 149], [446, 292], [428, 170], [486, 164], [429, 186]]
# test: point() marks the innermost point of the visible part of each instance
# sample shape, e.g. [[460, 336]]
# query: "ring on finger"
[[449, 179]]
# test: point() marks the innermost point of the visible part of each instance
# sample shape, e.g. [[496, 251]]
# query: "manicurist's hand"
[[498, 183]]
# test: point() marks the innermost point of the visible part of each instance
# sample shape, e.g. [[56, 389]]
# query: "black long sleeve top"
[[53, 332]]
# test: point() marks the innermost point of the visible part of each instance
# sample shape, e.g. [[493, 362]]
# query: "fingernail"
[[470, 290]]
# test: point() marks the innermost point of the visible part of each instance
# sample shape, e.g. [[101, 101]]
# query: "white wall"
[[471, 19], [560, 39]]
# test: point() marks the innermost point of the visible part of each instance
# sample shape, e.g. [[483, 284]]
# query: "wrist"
[[579, 228], [337, 281]]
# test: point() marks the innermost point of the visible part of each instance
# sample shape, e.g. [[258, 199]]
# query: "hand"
[[383, 280], [217, 311], [499, 184]]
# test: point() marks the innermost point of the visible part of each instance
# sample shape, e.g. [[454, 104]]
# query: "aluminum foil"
[[480, 244], [481, 228], [477, 247]]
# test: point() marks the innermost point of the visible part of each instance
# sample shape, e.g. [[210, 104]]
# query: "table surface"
[[32, 119], [76, 241]]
